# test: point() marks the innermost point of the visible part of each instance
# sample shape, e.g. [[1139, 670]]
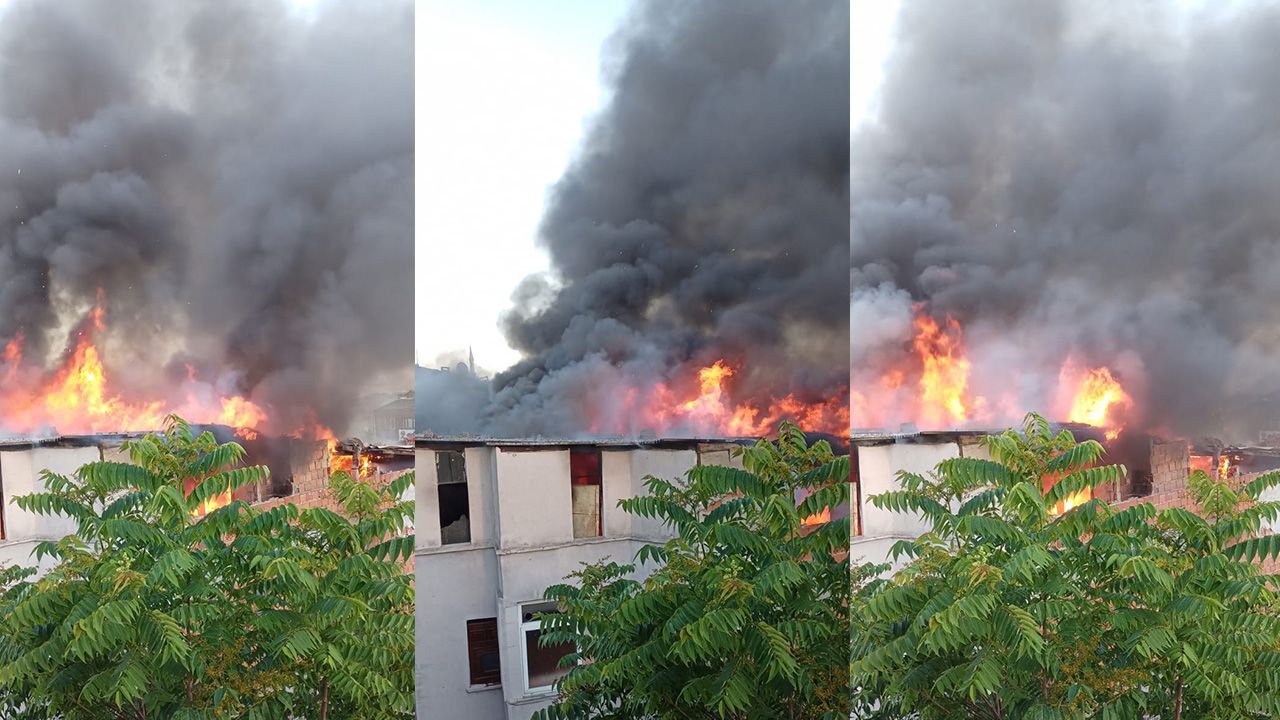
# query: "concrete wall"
[[426, 508], [670, 465], [533, 497], [878, 466], [525, 575], [454, 586], [19, 475]]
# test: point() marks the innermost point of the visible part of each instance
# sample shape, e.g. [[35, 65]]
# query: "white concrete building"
[[876, 460], [300, 474], [500, 521], [21, 462]]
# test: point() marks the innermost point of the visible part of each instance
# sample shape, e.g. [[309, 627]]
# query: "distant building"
[[394, 421], [453, 400]]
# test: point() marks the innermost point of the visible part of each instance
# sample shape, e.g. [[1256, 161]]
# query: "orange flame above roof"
[[944, 378], [1097, 398], [77, 395]]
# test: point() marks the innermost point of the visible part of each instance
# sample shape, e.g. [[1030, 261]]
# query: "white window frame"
[[525, 627]]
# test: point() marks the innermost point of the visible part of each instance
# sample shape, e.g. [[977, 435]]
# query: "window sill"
[[451, 548], [535, 696], [473, 689]]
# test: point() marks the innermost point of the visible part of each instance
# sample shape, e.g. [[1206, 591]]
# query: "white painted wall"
[[19, 474], [615, 476], [426, 509], [453, 586], [534, 497], [525, 576], [670, 465], [878, 466], [482, 495]]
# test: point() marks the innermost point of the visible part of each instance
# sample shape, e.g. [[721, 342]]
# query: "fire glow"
[[944, 378], [1096, 399], [708, 407], [931, 388], [77, 396]]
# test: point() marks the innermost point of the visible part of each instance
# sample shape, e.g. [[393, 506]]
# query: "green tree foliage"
[[151, 612], [745, 615], [1006, 610]]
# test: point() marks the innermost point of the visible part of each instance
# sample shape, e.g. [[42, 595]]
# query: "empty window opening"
[[541, 664], [588, 495], [451, 490], [482, 652]]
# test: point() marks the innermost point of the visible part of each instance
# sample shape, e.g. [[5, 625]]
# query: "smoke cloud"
[[1082, 179], [236, 179], [704, 217]]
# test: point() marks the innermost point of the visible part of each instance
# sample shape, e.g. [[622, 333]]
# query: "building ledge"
[[583, 542], [538, 697], [452, 548], [11, 542]]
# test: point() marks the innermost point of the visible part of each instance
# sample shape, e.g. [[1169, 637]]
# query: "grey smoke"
[[1086, 178], [237, 178], [705, 216]]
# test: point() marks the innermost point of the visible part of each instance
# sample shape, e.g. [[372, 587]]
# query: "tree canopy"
[[1006, 609], [154, 612]]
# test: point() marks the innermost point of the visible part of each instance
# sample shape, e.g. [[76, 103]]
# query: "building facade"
[[21, 464], [500, 521], [1158, 470], [300, 472]]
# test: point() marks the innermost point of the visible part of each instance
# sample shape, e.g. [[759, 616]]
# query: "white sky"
[[504, 92], [870, 37]]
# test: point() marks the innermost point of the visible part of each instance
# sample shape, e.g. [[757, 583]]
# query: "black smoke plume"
[[1085, 179], [705, 216], [235, 176]]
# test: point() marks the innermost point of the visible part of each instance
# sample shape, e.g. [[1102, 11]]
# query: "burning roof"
[[233, 243], [1097, 198]]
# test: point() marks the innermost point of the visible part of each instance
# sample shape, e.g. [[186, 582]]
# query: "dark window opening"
[[587, 493], [482, 652], [451, 490]]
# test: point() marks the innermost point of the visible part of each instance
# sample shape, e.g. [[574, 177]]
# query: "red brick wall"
[[311, 483], [1170, 468], [310, 464]]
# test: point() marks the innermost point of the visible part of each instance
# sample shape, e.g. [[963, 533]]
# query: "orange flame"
[[1096, 399], [345, 462], [944, 379], [77, 396], [819, 519], [242, 414], [712, 410], [1073, 500], [213, 503]]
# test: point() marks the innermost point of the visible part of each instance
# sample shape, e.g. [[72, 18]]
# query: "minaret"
[[471, 359]]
